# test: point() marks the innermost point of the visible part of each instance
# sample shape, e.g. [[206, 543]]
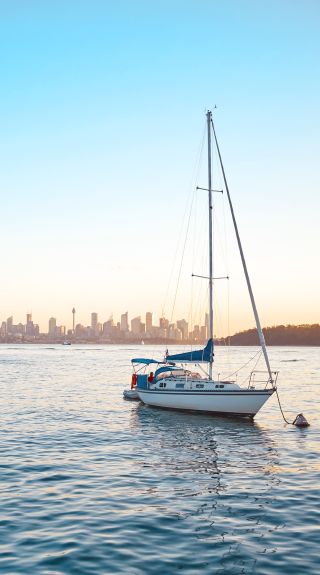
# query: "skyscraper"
[[163, 323], [148, 322], [52, 326], [124, 323], [95, 326], [182, 324], [9, 324], [29, 325], [94, 320], [136, 325]]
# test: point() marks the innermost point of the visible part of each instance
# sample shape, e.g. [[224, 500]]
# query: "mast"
[[253, 303], [209, 121]]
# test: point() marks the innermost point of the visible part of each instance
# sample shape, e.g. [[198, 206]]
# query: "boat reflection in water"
[[214, 479]]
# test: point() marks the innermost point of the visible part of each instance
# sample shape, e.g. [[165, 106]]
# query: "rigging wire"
[[228, 317], [193, 179], [254, 367], [180, 268], [245, 364], [226, 256], [201, 262]]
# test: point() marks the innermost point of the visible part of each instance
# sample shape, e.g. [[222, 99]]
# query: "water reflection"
[[216, 475]]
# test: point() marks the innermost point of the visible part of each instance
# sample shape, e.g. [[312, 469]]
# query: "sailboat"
[[173, 385]]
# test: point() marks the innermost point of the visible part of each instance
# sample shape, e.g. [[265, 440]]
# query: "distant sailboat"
[[177, 387]]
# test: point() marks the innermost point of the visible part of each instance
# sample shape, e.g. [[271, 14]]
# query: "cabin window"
[[199, 385], [179, 385], [162, 384], [217, 386], [221, 386]]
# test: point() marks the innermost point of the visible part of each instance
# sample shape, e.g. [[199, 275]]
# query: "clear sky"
[[101, 118]]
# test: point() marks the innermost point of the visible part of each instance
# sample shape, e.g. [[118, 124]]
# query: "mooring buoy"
[[300, 421]]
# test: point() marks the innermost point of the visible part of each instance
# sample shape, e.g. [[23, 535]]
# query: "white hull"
[[244, 402]]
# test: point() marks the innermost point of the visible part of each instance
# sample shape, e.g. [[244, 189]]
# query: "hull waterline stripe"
[[217, 393]]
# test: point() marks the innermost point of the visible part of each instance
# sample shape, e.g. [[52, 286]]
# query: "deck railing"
[[262, 378]]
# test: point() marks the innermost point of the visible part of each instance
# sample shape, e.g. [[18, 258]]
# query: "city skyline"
[[126, 324], [101, 126], [127, 329]]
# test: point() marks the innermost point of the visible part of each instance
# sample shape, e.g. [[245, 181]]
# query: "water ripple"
[[92, 484]]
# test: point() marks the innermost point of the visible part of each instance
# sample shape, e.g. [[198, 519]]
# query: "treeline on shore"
[[279, 335]]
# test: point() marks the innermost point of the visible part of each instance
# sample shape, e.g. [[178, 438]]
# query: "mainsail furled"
[[145, 361], [196, 356]]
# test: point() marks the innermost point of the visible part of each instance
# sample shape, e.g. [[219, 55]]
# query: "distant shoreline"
[[288, 335]]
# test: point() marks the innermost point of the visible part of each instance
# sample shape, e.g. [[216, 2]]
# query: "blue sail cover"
[[196, 356]]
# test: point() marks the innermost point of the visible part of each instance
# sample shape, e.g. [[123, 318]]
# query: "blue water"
[[92, 484]]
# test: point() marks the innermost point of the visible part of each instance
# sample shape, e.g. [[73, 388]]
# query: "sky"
[[102, 117]]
